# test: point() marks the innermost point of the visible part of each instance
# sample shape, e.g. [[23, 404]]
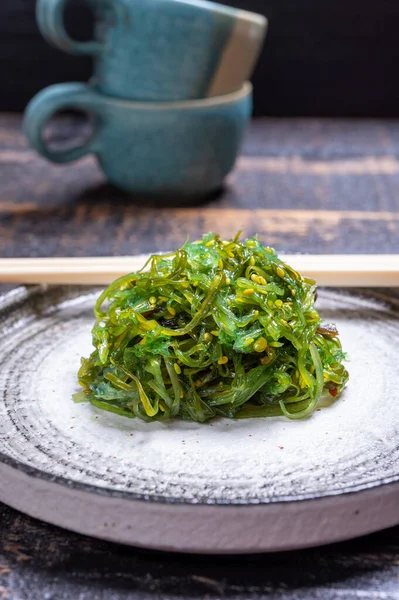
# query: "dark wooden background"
[[322, 57], [304, 185]]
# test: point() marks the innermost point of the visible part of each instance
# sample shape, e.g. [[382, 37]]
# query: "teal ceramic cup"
[[162, 50], [157, 149]]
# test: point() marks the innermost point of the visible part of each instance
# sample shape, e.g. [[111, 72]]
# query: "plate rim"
[[208, 529], [22, 293], [71, 484]]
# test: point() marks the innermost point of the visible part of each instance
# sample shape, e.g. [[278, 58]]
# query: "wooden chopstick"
[[332, 270]]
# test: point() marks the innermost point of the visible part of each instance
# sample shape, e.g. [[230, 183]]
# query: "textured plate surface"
[[60, 450]]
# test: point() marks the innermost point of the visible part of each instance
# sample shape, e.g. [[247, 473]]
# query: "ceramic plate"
[[225, 487]]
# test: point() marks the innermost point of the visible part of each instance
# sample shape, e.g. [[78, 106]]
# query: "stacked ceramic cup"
[[169, 96]]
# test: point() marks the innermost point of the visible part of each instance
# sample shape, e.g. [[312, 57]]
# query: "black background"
[[321, 58]]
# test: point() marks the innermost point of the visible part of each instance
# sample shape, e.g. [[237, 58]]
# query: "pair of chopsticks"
[[332, 270]]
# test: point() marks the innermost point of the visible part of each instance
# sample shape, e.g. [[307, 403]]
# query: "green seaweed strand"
[[217, 328]]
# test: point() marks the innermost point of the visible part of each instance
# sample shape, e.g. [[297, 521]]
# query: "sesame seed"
[[223, 360], [177, 368], [248, 292], [260, 345], [280, 272], [171, 311]]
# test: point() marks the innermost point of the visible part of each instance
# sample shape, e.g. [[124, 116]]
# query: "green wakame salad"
[[216, 328]]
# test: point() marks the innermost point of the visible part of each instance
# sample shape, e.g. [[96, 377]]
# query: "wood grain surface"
[[305, 186]]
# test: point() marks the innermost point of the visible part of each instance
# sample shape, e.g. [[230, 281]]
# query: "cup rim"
[[237, 13], [243, 92]]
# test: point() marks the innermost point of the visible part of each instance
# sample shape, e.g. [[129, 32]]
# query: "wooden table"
[[303, 185]]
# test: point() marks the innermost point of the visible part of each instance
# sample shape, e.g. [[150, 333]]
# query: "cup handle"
[[49, 101], [50, 20]]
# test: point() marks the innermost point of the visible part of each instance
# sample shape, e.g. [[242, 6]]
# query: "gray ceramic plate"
[[230, 486]]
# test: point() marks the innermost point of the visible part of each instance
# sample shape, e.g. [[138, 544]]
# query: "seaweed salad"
[[216, 328]]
